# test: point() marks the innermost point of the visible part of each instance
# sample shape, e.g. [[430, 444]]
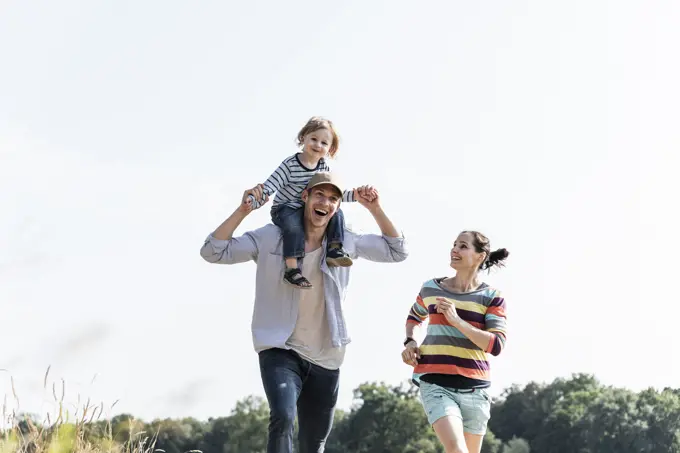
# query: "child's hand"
[[250, 195]]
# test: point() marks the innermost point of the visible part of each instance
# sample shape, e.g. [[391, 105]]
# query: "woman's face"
[[464, 255]]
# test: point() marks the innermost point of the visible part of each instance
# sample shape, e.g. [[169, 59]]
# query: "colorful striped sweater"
[[446, 355]]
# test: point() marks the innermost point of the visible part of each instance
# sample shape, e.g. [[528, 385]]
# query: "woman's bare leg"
[[474, 442], [450, 433]]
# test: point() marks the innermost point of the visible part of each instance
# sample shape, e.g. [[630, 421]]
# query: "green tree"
[[491, 444], [659, 413], [523, 411], [611, 422], [560, 432], [384, 419], [516, 445], [216, 435], [575, 415], [247, 427], [578, 415], [125, 429], [177, 436]]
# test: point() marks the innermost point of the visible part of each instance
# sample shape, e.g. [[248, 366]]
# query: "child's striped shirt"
[[447, 357], [289, 181]]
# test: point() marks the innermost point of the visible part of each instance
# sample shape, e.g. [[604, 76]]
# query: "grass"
[[80, 431]]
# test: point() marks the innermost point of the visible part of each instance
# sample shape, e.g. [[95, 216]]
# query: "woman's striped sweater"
[[446, 353]]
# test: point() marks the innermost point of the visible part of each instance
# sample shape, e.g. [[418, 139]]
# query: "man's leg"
[[316, 407], [282, 380]]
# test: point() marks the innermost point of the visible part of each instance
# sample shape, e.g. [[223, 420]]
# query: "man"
[[300, 334]]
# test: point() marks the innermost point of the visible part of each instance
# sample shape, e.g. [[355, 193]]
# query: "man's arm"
[[225, 231], [222, 247], [386, 226], [389, 246]]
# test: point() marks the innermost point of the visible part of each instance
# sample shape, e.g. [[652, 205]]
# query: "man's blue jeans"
[[293, 386]]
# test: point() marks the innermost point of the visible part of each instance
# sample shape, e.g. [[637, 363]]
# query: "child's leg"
[[290, 220], [335, 236]]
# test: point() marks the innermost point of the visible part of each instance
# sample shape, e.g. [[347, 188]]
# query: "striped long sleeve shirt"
[[447, 357], [289, 181]]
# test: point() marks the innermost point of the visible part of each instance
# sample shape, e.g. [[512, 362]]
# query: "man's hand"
[[247, 201], [411, 354], [369, 192], [368, 197]]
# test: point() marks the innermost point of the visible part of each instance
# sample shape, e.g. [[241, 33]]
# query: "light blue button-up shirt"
[[276, 303]]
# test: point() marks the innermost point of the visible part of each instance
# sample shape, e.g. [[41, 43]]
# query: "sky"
[[129, 131]]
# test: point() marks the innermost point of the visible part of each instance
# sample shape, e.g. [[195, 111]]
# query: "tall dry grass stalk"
[[77, 432]]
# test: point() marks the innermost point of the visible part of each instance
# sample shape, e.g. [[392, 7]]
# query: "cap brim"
[[325, 183]]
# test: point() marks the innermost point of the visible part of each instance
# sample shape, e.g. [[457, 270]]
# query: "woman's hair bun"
[[496, 258]]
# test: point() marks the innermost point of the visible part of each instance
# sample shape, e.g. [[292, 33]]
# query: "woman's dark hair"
[[482, 244]]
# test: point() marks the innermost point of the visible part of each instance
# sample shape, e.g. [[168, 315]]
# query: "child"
[[318, 139]]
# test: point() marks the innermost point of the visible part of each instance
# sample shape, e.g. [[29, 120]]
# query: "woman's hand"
[[448, 309], [411, 354]]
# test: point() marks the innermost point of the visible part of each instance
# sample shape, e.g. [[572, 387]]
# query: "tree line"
[[571, 415]]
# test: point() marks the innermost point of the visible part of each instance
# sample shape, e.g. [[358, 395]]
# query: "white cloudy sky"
[[128, 131]]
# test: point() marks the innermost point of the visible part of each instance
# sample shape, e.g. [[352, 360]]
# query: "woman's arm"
[[491, 340], [416, 316]]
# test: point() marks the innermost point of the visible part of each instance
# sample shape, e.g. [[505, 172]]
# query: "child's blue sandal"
[[295, 278]]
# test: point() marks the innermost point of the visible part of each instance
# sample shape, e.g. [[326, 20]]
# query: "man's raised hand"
[[368, 197], [249, 197]]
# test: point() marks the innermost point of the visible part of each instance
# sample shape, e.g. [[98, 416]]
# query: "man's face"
[[321, 203]]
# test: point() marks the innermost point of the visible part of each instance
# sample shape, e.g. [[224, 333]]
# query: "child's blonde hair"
[[314, 124]]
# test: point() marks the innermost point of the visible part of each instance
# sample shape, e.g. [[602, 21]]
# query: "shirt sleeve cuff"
[[395, 241], [219, 243]]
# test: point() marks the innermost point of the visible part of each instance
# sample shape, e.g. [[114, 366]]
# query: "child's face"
[[317, 144]]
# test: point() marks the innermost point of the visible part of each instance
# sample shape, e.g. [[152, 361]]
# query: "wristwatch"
[[408, 340]]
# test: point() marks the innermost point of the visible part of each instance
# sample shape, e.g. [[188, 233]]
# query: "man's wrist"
[[375, 210], [410, 340], [243, 211]]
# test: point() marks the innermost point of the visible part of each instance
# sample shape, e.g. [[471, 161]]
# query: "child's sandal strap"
[[294, 277]]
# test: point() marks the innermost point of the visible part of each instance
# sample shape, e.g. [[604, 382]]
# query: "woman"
[[466, 321]]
